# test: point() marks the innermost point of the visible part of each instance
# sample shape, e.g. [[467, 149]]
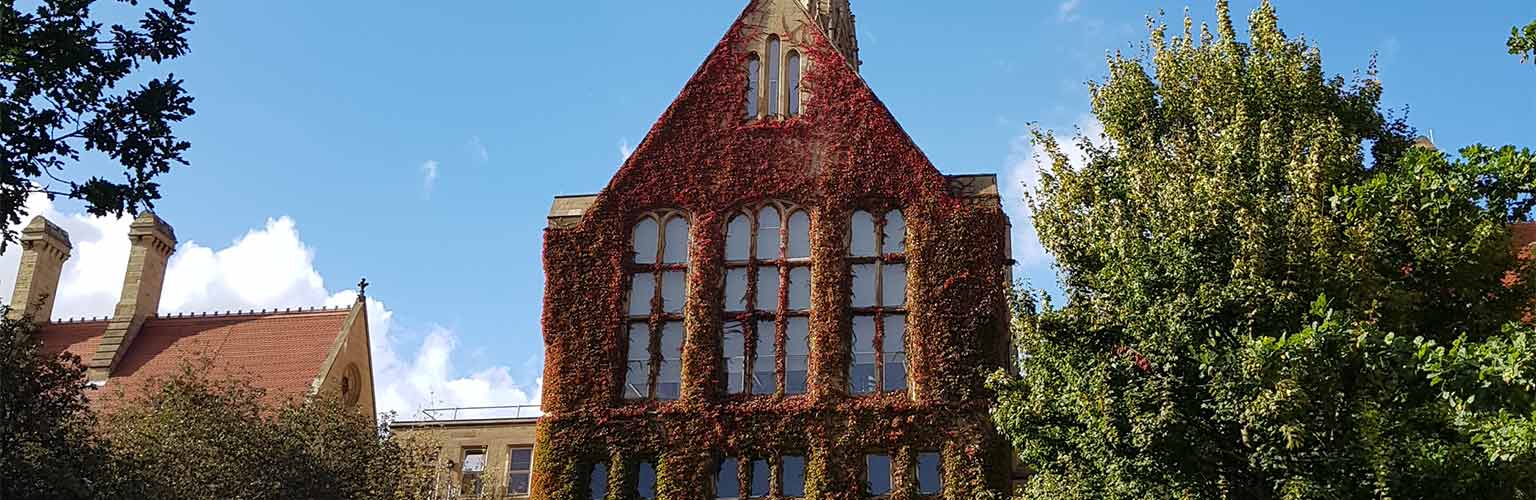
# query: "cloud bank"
[[269, 267]]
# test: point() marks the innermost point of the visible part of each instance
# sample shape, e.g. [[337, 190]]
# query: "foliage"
[[705, 159], [195, 436], [1523, 42], [1246, 253], [60, 73], [47, 448]]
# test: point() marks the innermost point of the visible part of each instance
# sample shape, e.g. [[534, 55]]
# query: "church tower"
[[836, 18]]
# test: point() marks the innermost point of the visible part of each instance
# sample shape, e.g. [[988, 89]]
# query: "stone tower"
[[836, 18]]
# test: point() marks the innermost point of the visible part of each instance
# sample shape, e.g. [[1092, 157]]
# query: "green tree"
[[60, 79], [193, 435], [47, 445], [1271, 292], [1523, 43]]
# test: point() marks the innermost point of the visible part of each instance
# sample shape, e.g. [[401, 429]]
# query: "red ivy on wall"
[[845, 152]]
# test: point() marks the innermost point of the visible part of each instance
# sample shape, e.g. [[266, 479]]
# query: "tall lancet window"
[[657, 293], [767, 300], [754, 85], [878, 264], [773, 56], [792, 70]]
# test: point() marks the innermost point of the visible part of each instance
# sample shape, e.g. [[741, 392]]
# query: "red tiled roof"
[[281, 352]]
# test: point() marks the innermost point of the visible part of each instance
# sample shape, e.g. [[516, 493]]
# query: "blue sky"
[[420, 143]]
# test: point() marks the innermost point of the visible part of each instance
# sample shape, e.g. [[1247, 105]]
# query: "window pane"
[[863, 285], [793, 68], [646, 232], [735, 357], [794, 476], [670, 380], [799, 288], [764, 370], [474, 460], [677, 241], [760, 478], [877, 472], [895, 372], [797, 350], [895, 233], [645, 487], [862, 243], [799, 235], [773, 75], [768, 233], [674, 287], [895, 334], [736, 289], [597, 483], [638, 370], [517, 483], [520, 459], [929, 482], [861, 372], [738, 239], [641, 289], [726, 483], [754, 72], [894, 285], [768, 288]]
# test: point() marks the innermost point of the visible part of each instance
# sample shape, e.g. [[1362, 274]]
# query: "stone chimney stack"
[[44, 248], [153, 242]]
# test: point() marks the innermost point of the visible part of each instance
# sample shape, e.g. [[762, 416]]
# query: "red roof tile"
[[279, 352]]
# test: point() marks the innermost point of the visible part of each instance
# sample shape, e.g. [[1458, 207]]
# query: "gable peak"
[[837, 21]]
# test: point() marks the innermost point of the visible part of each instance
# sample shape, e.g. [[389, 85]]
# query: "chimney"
[[44, 248], [153, 242]]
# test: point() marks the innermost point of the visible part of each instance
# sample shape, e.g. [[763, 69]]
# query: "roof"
[[280, 351], [567, 210], [973, 186], [1524, 235]]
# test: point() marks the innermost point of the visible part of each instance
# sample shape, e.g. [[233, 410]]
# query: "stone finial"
[[45, 247]]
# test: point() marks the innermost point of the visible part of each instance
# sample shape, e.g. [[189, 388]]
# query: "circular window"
[[351, 385]]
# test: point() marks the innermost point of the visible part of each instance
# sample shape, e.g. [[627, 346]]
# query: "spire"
[[836, 18]]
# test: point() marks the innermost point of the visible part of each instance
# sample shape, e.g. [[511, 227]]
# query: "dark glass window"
[[792, 68], [754, 89], [929, 481], [793, 473], [773, 56], [658, 292], [727, 480], [877, 474], [645, 482], [597, 482], [519, 471], [762, 473]]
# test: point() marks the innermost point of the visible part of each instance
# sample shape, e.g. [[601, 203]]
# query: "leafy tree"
[[196, 436], [47, 449], [60, 78], [1272, 292], [1523, 43]]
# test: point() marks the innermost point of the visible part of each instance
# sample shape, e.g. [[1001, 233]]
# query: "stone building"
[[289, 353]]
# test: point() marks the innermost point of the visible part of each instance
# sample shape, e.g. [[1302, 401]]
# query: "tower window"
[[879, 270], [792, 67], [657, 294], [773, 55], [767, 300], [754, 86]]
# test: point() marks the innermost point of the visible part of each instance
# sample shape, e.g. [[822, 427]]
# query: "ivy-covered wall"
[[703, 157]]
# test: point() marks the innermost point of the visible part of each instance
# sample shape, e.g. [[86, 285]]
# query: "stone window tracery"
[[657, 295], [877, 264], [767, 300]]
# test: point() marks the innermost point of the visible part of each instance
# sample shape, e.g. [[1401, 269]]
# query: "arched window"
[[876, 246], [754, 88], [767, 300], [657, 293], [773, 56], [792, 67]]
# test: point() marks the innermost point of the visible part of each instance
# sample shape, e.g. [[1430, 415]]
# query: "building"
[[777, 296], [289, 353]]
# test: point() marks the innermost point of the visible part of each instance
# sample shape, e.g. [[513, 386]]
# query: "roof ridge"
[[241, 313]]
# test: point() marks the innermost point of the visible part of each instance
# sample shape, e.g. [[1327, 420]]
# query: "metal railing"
[[482, 413]]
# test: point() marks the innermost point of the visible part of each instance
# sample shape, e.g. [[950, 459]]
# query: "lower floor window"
[[879, 354], [645, 483], [877, 474], [519, 471], [929, 479], [472, 475], [597, 482], [754, 478]]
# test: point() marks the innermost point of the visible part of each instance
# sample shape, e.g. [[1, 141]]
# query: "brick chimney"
[[44, 248], [153, 242]]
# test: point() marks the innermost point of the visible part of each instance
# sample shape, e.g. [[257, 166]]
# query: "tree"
[[192, 435], [60, 73], [47, 448], [1523, 43], [1271, 292]]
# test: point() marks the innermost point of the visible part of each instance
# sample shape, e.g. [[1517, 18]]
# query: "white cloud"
[[1067, 11], [625, 149], [269, 267], [477, 150], [1026, 159], [428, 177]]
